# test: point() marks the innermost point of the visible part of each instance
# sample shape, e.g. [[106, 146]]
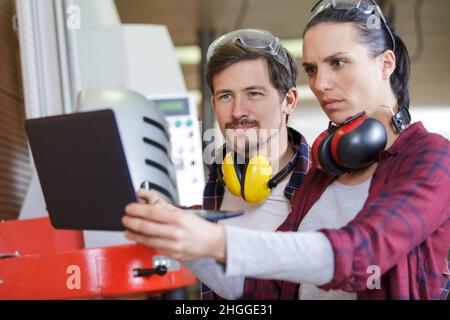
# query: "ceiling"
[[286, 19], [185, 18]]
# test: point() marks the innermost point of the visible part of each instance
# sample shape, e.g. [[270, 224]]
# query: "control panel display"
[[185, 139], [173, 107]]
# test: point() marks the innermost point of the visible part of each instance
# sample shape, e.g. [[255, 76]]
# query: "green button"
[[189, 123]]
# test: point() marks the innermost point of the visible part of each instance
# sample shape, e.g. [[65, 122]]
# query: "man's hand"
[[177, 234]]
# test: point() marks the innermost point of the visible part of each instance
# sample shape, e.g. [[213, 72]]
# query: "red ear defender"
[[315, 149], [352, 145], [342, 131], [321, 153], [356, 145]]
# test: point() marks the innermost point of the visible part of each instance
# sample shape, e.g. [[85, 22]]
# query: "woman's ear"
[[388, 64], [291, 101]]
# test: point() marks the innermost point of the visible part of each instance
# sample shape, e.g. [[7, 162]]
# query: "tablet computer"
[[82, 168]]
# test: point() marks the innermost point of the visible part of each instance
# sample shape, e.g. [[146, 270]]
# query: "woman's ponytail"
[[401, 75]]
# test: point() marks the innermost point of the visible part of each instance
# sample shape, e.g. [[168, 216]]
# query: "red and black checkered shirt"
[[403, 227]]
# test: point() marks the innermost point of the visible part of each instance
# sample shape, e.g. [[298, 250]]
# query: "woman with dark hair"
[[371, 220]]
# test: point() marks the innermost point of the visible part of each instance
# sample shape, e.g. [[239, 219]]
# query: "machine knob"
[[159, 270]]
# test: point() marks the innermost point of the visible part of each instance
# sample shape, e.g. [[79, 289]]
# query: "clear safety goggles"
[[368, 7], [252, 38]]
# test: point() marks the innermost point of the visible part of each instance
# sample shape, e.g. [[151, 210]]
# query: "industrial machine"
[[98, 62], [39, 262]]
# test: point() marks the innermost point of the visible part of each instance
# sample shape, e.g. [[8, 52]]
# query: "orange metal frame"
[[52, 264]]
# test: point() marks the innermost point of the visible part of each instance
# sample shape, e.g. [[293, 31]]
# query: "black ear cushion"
[[243, 172], [325, 158], [360, 147], [238, 168]]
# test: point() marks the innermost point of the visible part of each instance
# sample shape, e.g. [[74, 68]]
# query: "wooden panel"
[[15, 171]]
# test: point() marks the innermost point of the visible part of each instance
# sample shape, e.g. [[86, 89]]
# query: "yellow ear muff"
[[230, 177], [257, 176]]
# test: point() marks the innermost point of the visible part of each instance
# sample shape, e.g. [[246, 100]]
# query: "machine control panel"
[[186, 145]]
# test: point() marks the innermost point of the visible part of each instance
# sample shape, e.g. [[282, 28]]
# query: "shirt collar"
[[404, 138], [302, 165]]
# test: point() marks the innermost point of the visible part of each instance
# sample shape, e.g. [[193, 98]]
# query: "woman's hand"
[[149, 197], [180, 235]]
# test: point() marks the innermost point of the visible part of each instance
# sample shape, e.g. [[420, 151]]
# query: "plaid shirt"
[[214, 190], [403, 228]]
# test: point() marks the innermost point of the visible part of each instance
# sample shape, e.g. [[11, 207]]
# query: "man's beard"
[[247, 143]]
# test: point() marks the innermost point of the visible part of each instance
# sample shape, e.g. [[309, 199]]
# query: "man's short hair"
[[281, 78]]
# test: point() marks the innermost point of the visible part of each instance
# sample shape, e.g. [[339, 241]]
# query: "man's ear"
[[387, 64], [291, 101]]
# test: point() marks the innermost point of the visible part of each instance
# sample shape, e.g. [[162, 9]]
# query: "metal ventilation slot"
[[160, 189], [157, 125], [161, 168], [156, 144]]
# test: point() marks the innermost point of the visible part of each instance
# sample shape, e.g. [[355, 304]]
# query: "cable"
[[420, 39], [241, 16]]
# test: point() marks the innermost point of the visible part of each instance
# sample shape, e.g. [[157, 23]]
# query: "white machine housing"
[[181, 115], [144, 135]]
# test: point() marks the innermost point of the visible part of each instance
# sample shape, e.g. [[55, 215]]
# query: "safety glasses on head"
[[368, 7], [252, 38]]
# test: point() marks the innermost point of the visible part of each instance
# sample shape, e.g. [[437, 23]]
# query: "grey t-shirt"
[[305, 257]]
